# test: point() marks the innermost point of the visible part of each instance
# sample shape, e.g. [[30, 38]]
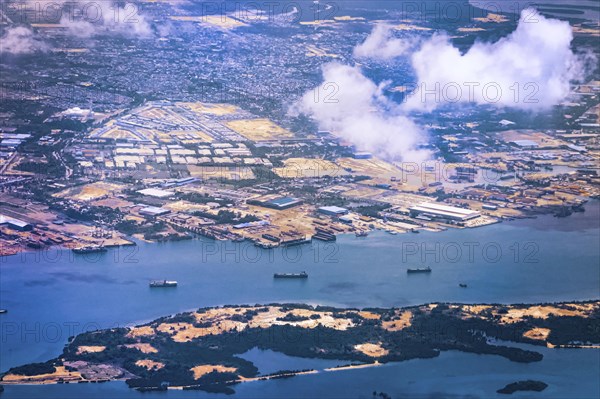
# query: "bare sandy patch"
[[220, 320], [203, 369], [369, 315], [410, 27], [185, 332], [491, 17], [90, 191], [60, 374], [404, 321], [217, 109], [141, 331], [537, 333], [348, 18], [267, 319], [539, 312], [473, 310], [90, 349], [150, 364], [260, 129], [585, 30], [142, 347], [471, 29], [372, 350]]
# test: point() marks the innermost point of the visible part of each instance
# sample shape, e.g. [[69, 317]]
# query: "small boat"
[[2, 311], [291, 275], [266, 245], [419, 270], [361, 233], [89, 249], [462, 285], [162, 284]]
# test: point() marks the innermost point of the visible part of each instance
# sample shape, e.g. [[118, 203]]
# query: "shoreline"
[[132, 240], [79, 360]]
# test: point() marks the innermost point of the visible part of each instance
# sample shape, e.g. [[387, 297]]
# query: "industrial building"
[[154, 211], [333, 210], [525, 143], [279, 203], [346, 219], [434, 210], [15, 224], [362, 155], [155, 192]]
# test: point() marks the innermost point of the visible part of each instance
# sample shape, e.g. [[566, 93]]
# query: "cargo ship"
[[323, 235], [291, 275], [162, 284], [266, 245], [419, 270], [3, 311], [89, 249], [271, 237], [294, 241]]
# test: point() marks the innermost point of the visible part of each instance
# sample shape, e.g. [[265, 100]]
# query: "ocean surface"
[[55, 294]]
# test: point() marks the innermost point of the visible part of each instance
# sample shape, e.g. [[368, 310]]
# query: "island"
[[201, 349], [528, 385]]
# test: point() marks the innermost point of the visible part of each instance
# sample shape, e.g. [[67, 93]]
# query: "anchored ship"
[[291, 275], [419, 270], [162, 284], [324, 235], [266, 245], [294, 241], [88, 249], [3, 311]]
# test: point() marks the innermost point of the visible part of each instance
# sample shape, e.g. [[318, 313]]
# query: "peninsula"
[[201, 349]]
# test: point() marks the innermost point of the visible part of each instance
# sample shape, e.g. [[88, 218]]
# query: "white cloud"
[[21, 40], [102, 18], [529, 69], [381, 44], [356, 109]]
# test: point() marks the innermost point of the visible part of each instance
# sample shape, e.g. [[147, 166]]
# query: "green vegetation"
[[371, 210], [149, 230], [34, 369], [432, 329], [225, 216]]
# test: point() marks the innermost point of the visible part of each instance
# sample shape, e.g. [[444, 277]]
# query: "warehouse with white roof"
[[435, 210]]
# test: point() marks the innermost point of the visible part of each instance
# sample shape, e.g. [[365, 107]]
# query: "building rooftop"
[[333, 209], [525, 143], [154, 211], [283, 201], [445, 210], [156, 192]]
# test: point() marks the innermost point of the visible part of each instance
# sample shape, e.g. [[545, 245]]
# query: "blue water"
[[52, 295], [451, 375]]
